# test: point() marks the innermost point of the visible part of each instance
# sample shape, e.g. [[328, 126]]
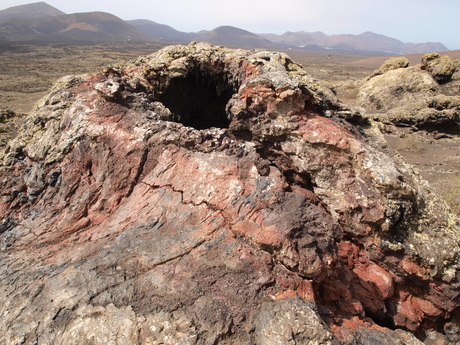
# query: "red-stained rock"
[[306, 291], [378, 277], [205, 195]]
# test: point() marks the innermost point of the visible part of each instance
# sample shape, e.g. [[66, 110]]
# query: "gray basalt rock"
[[290, 322], [202, 195]]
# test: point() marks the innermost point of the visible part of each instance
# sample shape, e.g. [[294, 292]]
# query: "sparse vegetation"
[[449, 188]]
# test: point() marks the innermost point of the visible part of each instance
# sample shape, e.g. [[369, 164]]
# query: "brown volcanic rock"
[[441, 68], [200, 195], [424, 96], [397, 87]]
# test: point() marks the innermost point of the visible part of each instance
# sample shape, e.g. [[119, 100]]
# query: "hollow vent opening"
[[199, 99]]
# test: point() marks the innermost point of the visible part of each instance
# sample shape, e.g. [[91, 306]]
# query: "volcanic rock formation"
[[425, 96], [202, 195]]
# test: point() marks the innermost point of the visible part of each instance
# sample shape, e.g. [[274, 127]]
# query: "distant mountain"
[[299, 39], [366, 42], [34, 10], [40, 22], [163, 32], [92, 26], [223, 35], [234, 38]]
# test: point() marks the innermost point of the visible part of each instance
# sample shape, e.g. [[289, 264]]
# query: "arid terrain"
[[226, 187], [207, 195], [28, 71]]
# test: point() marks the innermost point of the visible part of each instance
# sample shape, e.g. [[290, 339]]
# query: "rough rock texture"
[[397, 87], [9, 123], [440, 67], [203, 195], [391, 64], [423, 96]]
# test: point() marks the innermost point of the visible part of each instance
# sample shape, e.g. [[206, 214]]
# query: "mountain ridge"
[[42, 22], [234, 37], [162, 31], [92, 26], [366, 41], [33, 10]]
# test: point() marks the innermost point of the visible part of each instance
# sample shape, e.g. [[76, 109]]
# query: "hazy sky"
[[413, 21]]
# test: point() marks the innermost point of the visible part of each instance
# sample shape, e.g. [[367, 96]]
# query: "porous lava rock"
[[424, 96], [202, 195], [440, 67], [389, 65]]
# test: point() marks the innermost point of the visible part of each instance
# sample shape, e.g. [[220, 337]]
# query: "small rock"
[[441, 67]]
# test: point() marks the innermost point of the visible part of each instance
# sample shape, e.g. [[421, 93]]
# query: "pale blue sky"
[[413, 21]]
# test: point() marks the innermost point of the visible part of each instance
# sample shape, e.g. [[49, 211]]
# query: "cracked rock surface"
[[202, 195]]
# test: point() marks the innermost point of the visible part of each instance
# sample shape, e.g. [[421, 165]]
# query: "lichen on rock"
[[389, 65], [422, 96], [204, 195], [440, 67]]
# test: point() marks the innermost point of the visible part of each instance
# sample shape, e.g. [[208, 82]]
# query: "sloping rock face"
[[203, 195]]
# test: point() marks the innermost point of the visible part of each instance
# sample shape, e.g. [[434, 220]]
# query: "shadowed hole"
[[198, 100]]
